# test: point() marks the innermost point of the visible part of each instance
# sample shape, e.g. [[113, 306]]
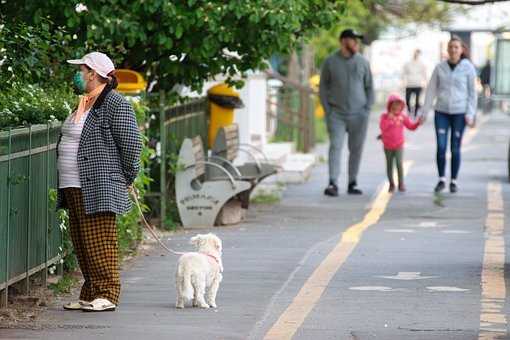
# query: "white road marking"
[[373, 288], [399, 230], [407, 276], [456, 232], [447, 289], [429, 225]]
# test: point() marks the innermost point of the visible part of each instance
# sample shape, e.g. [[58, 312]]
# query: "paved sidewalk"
[[269, 258]]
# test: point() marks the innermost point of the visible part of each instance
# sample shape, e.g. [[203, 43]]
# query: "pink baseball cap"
[[97, 61]]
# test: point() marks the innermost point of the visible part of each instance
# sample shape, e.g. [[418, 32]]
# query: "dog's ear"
[[196, 240], [217, 243]]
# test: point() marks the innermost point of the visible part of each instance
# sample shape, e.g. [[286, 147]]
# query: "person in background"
[[451, 93], [414, 76], [485, 80], [347, 95]]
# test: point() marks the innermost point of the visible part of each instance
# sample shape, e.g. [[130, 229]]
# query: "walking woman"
[[451, 92], [98, 159]]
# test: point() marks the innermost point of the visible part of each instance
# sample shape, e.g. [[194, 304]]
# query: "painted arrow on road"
[[408, 276]]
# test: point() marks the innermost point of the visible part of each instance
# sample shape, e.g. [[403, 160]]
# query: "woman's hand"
[[470, 121]]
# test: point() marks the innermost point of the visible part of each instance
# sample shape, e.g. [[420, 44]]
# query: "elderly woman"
[[451, 92], [98, 159]]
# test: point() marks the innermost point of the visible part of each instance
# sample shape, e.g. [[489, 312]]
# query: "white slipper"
[[99, 305], [76, 305]]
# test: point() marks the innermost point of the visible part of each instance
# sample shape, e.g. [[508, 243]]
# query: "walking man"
[[415, 77], [346, 94]]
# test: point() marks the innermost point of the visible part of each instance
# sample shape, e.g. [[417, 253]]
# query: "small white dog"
[[198, 273]]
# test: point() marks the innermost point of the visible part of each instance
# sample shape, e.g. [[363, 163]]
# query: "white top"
[[414, 74], [69, 176]]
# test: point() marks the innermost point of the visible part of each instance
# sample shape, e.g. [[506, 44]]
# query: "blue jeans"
[[443, 123]]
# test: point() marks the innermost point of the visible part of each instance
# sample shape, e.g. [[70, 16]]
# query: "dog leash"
[[152, 230]]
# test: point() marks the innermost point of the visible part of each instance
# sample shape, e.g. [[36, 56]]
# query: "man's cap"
[[350, 33], [97, 61]]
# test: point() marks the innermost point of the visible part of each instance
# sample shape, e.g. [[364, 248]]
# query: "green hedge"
[[25, 104]]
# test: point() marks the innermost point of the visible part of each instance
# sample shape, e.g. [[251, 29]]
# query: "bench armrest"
[[229, 163], [257, 163], [256, 149], [217, 166]]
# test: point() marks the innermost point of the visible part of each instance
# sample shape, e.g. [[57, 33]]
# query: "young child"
[[392, 134]]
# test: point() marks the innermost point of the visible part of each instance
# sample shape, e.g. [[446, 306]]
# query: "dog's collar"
[[216, 259]]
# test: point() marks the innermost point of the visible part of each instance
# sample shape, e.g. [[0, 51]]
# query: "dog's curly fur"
[[198, 273]]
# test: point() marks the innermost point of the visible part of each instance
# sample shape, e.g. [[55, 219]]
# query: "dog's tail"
[[186, 285]]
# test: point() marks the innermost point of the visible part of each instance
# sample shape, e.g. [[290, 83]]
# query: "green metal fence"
[[30, 237], [174, 125]]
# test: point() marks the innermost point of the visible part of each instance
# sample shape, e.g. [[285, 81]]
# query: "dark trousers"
[[444, 123], [409, 92], [391, 156]]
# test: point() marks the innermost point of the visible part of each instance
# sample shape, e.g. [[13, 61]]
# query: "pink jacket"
[[392, 127]]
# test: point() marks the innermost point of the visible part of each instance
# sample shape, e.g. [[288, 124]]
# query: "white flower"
[[75, 37], [80, 8], [173, 57], [9, 69]]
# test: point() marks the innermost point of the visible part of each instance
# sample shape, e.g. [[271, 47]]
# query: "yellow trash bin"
[[222, 100], [314, 83], [130, 82]]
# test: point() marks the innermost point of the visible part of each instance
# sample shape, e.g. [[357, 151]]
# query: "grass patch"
[[64, 285], [266, 198]]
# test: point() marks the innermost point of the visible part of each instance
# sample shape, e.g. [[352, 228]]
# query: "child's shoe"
[[391, 188], [401, 187]]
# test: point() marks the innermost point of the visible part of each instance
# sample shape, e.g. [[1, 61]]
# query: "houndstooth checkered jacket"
[[108, 155]]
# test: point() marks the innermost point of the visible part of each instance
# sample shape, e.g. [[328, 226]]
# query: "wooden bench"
[[226, 149], [200, 197]]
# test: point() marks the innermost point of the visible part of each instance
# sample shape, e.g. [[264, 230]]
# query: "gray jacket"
[[453, 91], [346, 85], [108, 155]]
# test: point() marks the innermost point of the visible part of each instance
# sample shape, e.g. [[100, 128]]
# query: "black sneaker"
[[453, 187], [331, 190], [439, 187], [352, 190]]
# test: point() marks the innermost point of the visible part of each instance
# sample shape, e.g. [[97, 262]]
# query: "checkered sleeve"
[[127, 138]]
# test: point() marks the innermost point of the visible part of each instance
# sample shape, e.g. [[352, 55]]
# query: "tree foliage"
[[182, 42], [371, 17]]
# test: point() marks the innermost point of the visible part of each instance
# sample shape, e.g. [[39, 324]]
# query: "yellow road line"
[[296, 313], [493, 323]]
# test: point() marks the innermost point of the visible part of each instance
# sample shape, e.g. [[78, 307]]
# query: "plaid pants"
[[94, 239]]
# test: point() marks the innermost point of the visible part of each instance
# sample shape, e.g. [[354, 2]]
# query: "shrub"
[[25, 104]]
